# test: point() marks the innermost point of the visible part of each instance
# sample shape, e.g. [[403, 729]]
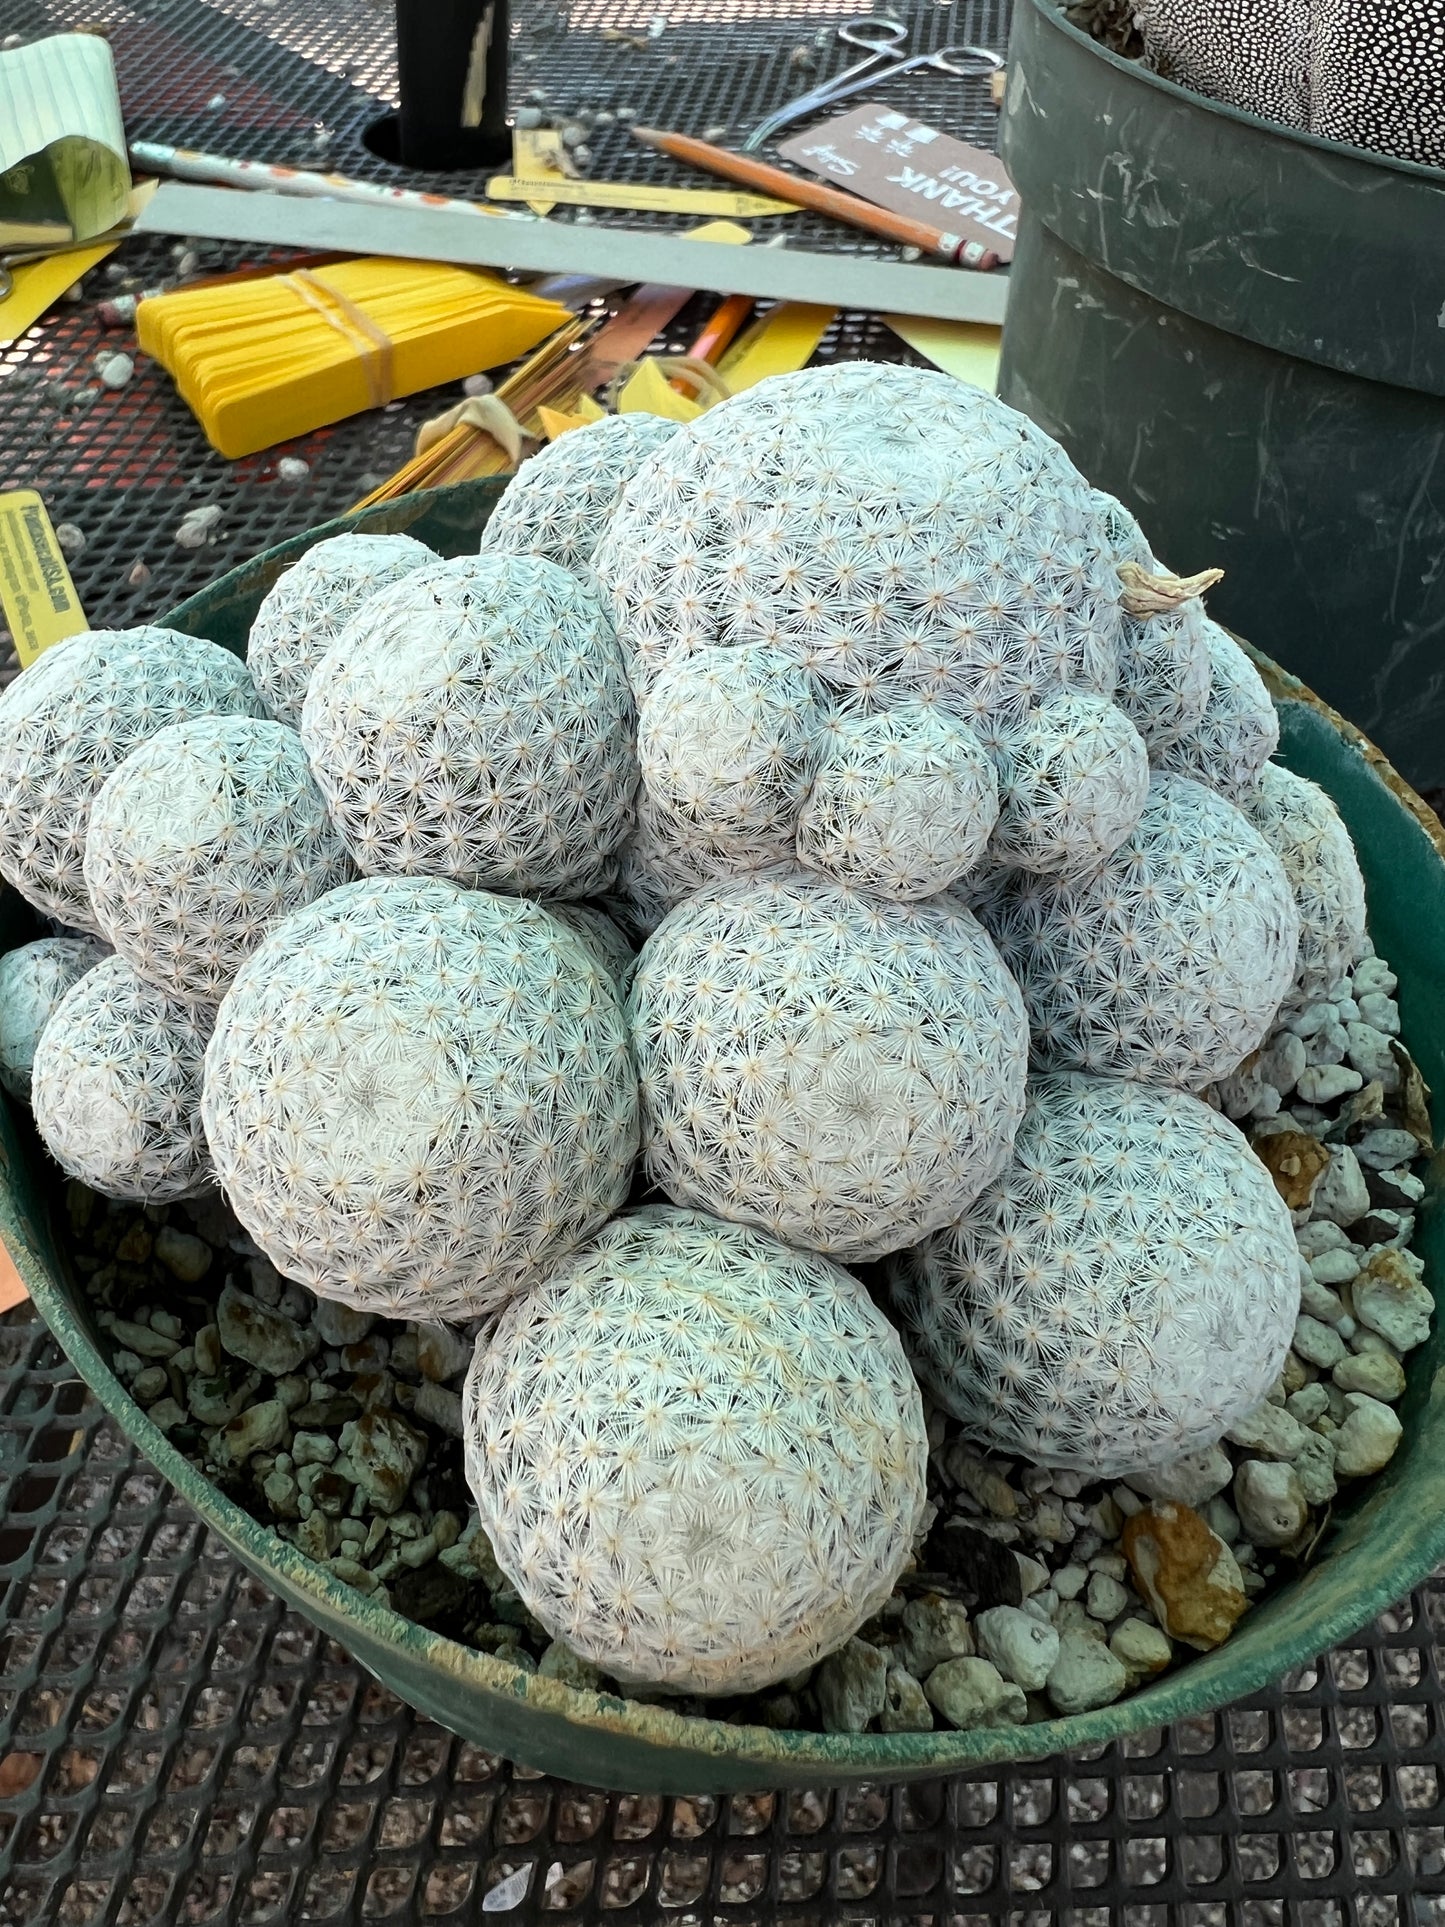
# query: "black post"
[[451, 58]]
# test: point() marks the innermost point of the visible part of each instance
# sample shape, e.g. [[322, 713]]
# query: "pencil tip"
[[651, 135]]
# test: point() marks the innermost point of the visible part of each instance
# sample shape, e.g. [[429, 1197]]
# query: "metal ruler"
[[549, 247]]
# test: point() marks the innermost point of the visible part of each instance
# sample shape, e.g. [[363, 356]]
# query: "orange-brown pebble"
[[1295, 1161], [1186, 1572]]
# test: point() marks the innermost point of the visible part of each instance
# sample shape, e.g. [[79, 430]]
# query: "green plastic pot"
[[1378, 1546], [1235, 328]]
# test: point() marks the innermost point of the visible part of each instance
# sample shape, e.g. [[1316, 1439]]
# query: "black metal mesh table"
[[175, 1746]]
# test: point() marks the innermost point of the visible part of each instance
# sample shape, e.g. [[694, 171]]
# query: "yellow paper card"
[[966, 349], [41, 284], [649, 392], [781, 343], [36, 592]]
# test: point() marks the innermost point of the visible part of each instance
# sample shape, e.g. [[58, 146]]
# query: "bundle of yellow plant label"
[[261, 360]]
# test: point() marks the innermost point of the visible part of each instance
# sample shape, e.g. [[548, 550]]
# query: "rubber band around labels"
[[372, 344]]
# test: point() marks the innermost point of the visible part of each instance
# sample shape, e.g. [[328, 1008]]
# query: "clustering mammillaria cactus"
[[33, 979], [1123, 1294], [116, 1087], [699, 1455], [1239, 730], [418, 1097], [476, 724], [1073, 778], [71, 719], [1164, 665], [842, 1072], [1305, 831], [728, 741], [558, 504], [661, 864], [903, 803], [310, 605], [891, 529], [784, 688], [206, 835], [1169, 961]]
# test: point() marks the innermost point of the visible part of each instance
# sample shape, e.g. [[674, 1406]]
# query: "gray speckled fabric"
[[1369, 72]]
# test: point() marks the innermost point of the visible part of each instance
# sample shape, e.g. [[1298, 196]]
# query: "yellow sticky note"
[[649, 392], [36, 592], [781, 343], [966, 349]]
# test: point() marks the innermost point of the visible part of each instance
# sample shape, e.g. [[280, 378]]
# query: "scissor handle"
[[876, 34], [875, 31], [950, 59]]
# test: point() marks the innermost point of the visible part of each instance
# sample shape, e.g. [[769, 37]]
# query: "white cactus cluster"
[[561, 498], [699, 1455], [70, 720], [785, 689], [1164, 663], [903, 803], [33, 979], [116, 1087], [418, 1097], [1306, 832], [1073, 778], [896, 532], [207, 835], [1239, 731], [475, 723], [728, 741], [311, 603], [1169, 962], [843, 1072], [1123, 1294]]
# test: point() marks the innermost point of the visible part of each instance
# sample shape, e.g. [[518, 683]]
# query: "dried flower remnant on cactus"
[[728, 741], [476, 723], [903, 803], [1073, 779], [310, 605], [845, 1073], [33, 979], [1169, 962], [1123, 1294], [116, 1087], [699, 1455], [70, 720], [1164, 665], [1306, 832], [418, 1097], [1238, 732], [895, 531], [207, 834], [558, 502]]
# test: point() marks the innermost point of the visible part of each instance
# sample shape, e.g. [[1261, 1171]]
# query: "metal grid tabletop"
[[174, 1744], [177, 1746]]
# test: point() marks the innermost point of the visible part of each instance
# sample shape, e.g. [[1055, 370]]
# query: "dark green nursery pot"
[[1377, 1547]]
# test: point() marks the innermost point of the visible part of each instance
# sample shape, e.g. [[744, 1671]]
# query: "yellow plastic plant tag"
[[36, 592]]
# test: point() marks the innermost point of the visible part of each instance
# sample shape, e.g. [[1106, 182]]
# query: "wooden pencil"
[[823, 199]]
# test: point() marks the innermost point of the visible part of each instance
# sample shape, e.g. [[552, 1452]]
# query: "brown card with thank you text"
[[904, 164]]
